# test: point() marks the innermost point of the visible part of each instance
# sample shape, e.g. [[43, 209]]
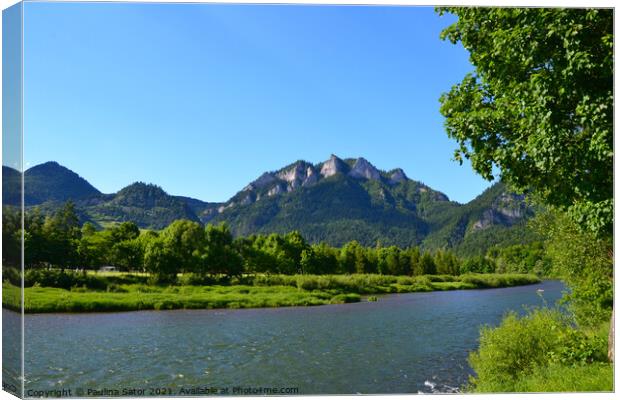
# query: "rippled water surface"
[[403, 343]]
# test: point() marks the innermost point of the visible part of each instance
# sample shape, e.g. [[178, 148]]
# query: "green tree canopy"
[[220, 255], [539, 104], [160, 260], [125, 231], [184, 238]]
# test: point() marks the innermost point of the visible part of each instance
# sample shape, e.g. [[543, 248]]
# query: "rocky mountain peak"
[[300, 173], [333, 166], [364, 169], [265, 179], [293, 172], [398, 176]]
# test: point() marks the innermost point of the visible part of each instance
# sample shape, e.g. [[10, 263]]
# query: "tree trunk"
[[610, 340]]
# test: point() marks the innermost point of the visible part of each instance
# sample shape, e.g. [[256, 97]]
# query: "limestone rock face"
[[398, 176], [507, 209], [277, 189], [363, 169], [223, 208], [333, 166], [312, 177], [208, 214], [292, 175], [247, 200], [437, 196], [262, 181], [510, 205], [300, 174], [488, 219]]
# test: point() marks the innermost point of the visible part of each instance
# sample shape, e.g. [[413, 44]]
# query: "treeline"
[[185, 246]]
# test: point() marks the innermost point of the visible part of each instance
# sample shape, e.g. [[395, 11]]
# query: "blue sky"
[[201, 99]]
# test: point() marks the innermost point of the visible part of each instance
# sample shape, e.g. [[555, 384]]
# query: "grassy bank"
[[382, 284], [122, 293], [595, 377], [141, 297]]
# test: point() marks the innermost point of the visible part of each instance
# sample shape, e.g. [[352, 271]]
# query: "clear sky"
[[201, 99]]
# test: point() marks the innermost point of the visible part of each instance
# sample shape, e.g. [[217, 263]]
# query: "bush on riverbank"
[[498, 280], [537, 352]]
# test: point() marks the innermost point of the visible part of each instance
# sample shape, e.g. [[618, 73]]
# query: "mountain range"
[[335, 201]]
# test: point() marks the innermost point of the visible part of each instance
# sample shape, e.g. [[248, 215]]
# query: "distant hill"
[[52, 181], [335, 201], [49, 181], [49, 185], [146, 204]]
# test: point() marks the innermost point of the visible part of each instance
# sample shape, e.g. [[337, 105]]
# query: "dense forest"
[[60, 241]]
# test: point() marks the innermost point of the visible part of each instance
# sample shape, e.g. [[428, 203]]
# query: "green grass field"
[[257, 291]]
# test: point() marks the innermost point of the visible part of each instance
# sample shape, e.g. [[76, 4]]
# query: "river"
[[403, 343]]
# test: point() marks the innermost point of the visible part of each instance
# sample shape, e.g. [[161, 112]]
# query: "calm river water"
[[404, 343]]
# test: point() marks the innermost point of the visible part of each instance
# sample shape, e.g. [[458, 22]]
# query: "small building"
[[108, 268]]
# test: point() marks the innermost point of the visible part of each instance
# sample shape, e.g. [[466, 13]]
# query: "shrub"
[[499, 280], [521, 347], [274, 280], [192, 279], [63, 279], [12, 275], [315, 282], [161, 279], [345, 298], [440, 278], [405, 280], [580, 347], [77, 289], [114, 288], [517, 345]]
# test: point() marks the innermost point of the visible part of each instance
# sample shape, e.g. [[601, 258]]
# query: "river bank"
[[263, 291]]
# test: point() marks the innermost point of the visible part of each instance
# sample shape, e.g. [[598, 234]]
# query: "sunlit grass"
[[595, 377], [142, 297], [118, 291]]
